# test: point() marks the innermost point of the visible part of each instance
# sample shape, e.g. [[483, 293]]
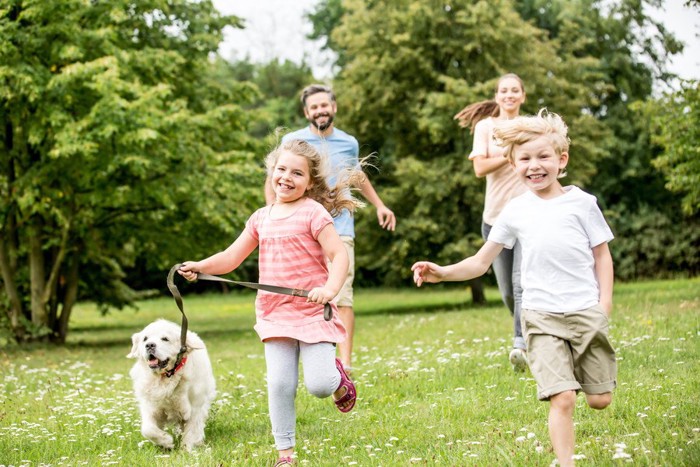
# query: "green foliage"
[[649, 243], [407, 67], [278, 104], [675, 126], [410, 68], [434, 385], [117, 143]]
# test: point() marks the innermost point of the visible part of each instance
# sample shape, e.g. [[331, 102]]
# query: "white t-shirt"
[[557, 237]]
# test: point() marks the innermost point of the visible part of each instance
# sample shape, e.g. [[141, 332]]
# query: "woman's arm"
[[484, 165]]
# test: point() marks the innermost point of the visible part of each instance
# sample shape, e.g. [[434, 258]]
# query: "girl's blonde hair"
[[511, 133], [333, 199], [473, 113]]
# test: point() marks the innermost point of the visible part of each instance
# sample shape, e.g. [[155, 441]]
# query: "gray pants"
[[506, 267], [321, 378]]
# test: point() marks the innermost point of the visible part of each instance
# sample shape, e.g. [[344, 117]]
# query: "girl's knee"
[[320, 389], [282, 387], [599, 401]]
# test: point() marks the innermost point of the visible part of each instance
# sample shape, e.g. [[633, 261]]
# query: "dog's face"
[[157, 345]]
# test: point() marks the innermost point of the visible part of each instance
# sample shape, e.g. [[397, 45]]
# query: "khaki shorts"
[[344, 297], [569, 351]]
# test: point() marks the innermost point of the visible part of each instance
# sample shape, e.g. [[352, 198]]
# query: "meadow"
[[434, 384]]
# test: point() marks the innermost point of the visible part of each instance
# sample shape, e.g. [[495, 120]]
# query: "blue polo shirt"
[[343, 151]]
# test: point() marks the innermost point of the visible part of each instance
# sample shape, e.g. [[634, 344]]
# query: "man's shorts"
[[570, 351], [344, 297]]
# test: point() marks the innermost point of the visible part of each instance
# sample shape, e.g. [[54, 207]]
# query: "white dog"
[[168, 394]]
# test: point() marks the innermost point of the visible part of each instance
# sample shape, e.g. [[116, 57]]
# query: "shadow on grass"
[[432, 307], [118, 335], [80, 343]]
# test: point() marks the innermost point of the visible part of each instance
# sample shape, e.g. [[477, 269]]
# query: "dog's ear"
[[135, 338], [193, 342]]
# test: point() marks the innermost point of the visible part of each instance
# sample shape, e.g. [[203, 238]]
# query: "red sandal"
[[350, 392]]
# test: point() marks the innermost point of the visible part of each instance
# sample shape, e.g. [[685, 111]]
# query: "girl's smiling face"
[[538, 165], [290, 177]]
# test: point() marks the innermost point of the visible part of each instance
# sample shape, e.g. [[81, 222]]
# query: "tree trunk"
[[37, 278], [69, 299], [478, 296], [8, 278]]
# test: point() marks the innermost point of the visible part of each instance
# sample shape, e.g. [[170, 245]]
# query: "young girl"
[[502, 185], [296, 237], [567, 274]]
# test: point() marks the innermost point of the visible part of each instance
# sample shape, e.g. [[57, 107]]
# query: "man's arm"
[[386, 217]]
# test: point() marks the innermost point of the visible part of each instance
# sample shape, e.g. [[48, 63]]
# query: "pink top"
[[290, 256], [502, 184]]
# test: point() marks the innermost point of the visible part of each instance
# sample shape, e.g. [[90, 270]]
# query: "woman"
[[501, 186]]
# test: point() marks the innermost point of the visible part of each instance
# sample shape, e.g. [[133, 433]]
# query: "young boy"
[[567, 274]]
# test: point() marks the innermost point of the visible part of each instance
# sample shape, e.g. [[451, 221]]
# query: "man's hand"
[[386, 217]]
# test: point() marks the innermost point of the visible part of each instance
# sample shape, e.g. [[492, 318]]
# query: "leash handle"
[[178, 300]]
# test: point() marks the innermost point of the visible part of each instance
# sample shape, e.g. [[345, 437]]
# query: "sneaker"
[[518, 359]]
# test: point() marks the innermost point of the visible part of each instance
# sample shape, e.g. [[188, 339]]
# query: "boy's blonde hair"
[[333, 199], [511, 133]]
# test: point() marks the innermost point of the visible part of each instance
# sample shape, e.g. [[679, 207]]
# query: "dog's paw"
[[192, 440], [160, 438], [168, 444]]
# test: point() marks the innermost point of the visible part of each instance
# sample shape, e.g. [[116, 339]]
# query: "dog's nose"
[[150, 346]]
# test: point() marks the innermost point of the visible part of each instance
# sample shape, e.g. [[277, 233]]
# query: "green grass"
[[434, 383]]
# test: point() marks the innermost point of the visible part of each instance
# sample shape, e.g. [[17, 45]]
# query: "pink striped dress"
[[290, 256]]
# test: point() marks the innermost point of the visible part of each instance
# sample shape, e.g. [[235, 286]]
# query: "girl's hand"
[[320, 295], [189, 270], [425, 271]]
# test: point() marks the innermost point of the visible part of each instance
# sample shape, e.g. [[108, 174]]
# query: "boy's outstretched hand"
[[425, 271]]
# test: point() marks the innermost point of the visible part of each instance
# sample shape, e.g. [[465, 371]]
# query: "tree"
[[280, 85], [409, 66], [633, 49], [117, 143], [675, 126]]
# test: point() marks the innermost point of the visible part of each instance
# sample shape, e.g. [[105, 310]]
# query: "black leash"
[[327, 310]]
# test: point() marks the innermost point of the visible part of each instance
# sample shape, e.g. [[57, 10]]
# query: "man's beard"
[[322, 126]]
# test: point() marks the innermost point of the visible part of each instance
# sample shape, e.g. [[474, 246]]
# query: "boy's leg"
[[595, 364], [599, 401], [561, 426]]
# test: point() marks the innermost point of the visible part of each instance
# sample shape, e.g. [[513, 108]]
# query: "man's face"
[[320, 110]]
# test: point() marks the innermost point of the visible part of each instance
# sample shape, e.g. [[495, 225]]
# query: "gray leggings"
[[321, 378], [506, 267]]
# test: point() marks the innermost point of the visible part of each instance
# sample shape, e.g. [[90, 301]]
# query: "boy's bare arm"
[[605, 275], [469, 268]]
